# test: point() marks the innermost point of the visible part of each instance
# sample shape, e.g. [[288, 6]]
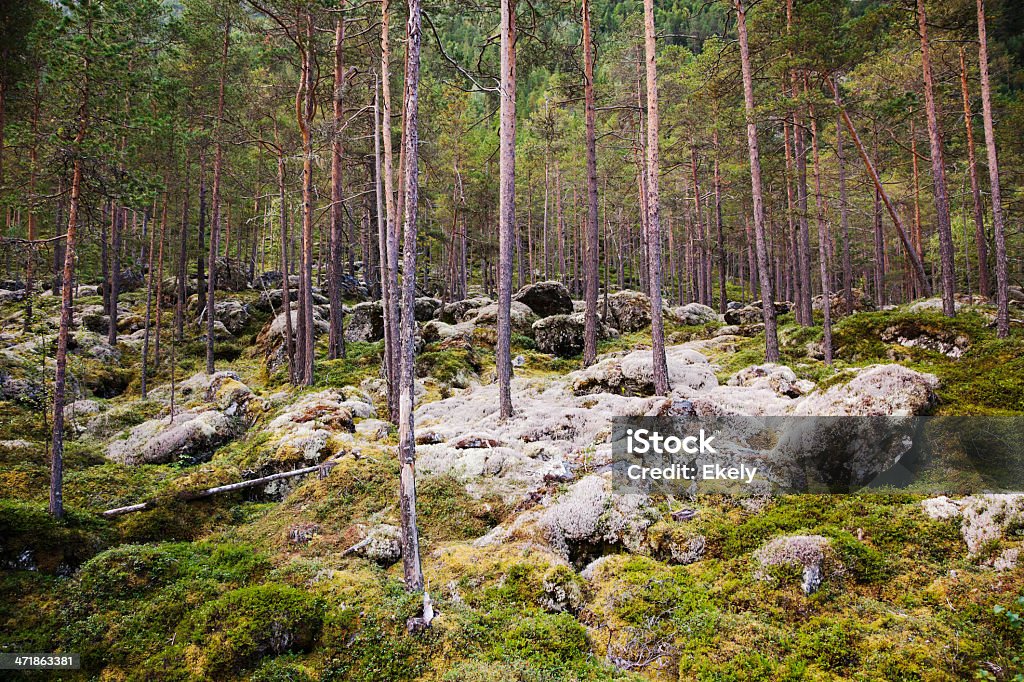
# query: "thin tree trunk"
[[844, 217], [201, 252], [336, 336], [507, 207], [938, 172], [394, 350], [826, 285], [722, 264], [179, 309], [149, 312], [406, 436], [160, 281], [1002, 276], [660, 368], [218, 166], [590, 268], [60, 376], [286, 292], [767, 299], [305, 109], [383, 223], [972, 163]]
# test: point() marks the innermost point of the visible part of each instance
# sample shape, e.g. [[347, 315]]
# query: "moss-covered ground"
[[226, 589]]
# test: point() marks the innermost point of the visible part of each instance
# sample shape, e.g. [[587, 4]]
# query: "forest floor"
[[537, 571]]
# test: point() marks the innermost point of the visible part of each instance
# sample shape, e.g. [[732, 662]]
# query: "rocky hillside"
[[536, 569]]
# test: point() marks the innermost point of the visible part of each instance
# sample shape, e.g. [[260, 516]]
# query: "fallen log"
[[322, 469]]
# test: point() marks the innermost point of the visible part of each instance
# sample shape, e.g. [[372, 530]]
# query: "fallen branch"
[[322, 469]]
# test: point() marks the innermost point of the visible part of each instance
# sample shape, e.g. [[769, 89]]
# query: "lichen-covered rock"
[[559, 335], [93, 345], [80, 411], [777, 378], [270, 343], [231, 275], [984, 518], [189, 436], [382, 544], [743, 316], [950, 344], [425, 308], [692, 314], [271, 300], [632, 374], [315, 427], [812, 554], [588, 518], [629, 311], [837, 301], [234, 315], [461, 311], [545, 299], [366, 323], [521, 317], [878, 390], [436, 330]]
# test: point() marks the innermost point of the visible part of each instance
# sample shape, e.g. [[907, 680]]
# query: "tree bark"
[[844, 216], [661, 386], [336, 336], [218, 166], [972, 163], [305, 108], [383, 226], [767, 299], [391, 270], [406, 436], [506, 207], [1002, 276], [938, 172], [590, 268], [826, 285], [60, 376]]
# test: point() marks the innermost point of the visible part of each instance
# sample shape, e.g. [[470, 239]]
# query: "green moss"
[[362, 361], [33, 539], [243, 625], [447, 512], [449, 366]]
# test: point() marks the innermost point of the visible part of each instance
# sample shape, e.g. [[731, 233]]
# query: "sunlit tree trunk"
[[590, 268], [767, 299], [661, 386], [1002, 276], [507, 207], [336, 336], [218, 167], [390, 266], [938, 171], [406, 435], [972, 163]]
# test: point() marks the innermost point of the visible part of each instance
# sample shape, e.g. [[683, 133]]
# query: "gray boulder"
[[366, 323], [692, 314], [630, 311], [545, 298]]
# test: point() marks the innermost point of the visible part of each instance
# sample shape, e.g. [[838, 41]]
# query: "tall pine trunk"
[[938, 171], [506, 207], [590, 266], [1002, 276], [406, 429], [661, 386], [764, 276], [390, 266], [63, 333], [336, 336], [972, 167], [218, 167]]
